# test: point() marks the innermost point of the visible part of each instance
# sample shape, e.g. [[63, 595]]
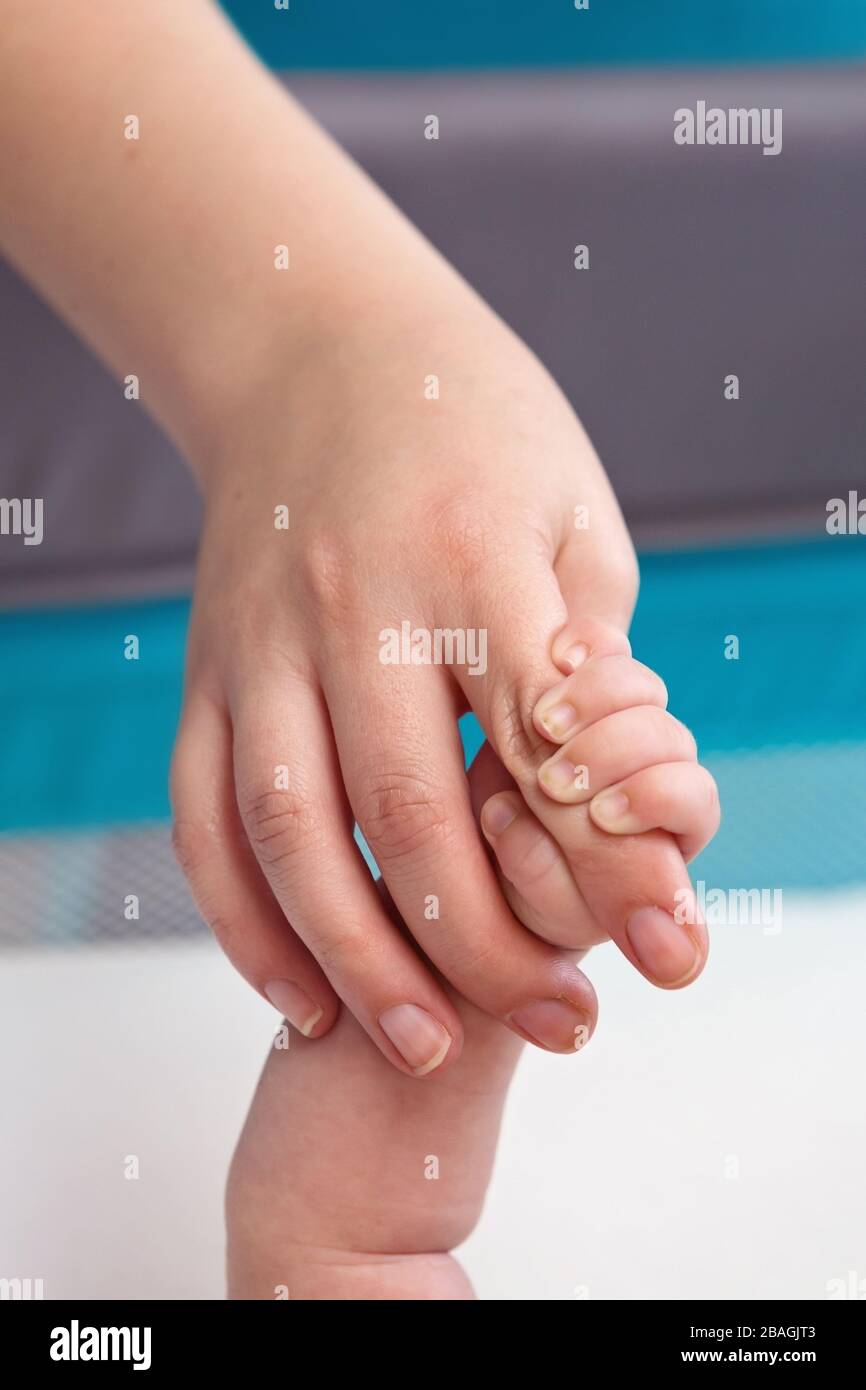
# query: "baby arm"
[[351, 1180]]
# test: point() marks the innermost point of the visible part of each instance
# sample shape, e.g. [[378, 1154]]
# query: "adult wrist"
[[301, 366]]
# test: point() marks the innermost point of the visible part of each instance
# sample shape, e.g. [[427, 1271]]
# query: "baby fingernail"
[[663, 947], [575, 656], [559, 720], [294, 1005], [554, 1023], [558, 774], [497, 815], [421, 1041], [609, 807]]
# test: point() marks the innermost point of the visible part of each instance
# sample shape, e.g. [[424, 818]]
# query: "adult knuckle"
[[479, 958], [460, 531], [400, 810], [340, 950], [279, 824], [230, 932], [196, 851], [329, 574], [619, 573], [192, 844], [626, 574]]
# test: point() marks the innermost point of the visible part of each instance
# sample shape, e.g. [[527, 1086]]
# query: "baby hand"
[[640, 806]]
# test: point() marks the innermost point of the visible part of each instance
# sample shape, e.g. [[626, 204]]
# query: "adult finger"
[[402, 765], [295, 814], [228, 888]]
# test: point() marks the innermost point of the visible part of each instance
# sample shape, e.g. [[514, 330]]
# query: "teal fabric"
[[797, 612], [521, 33], [87, 734]]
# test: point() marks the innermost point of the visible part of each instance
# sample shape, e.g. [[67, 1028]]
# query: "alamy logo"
[[22, 516], [712, 125], [851, 1287], [846, 516], [731, 907], [441, 646], [76, 1343], [21, 1290]]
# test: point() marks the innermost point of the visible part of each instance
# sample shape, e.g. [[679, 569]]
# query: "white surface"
[[611, 1181]]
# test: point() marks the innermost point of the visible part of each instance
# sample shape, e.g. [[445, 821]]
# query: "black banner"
[[158, 1339]]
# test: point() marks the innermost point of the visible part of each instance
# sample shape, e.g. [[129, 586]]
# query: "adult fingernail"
[[663, 947], [294, 1004], [575, 656], [554, 1023], [497, 815], [609, 808], [559, 720], [421, 1041]]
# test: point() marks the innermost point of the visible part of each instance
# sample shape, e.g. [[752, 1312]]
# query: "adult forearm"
[[161, 249]]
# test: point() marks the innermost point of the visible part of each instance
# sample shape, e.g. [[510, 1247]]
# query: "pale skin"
[[353, 1182], [305, 387]]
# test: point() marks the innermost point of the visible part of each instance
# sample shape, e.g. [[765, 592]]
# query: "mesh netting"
[[77, 887], [794, 818]]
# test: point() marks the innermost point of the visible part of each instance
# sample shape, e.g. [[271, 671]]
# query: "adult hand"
[[307, 349], [430, 470]]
